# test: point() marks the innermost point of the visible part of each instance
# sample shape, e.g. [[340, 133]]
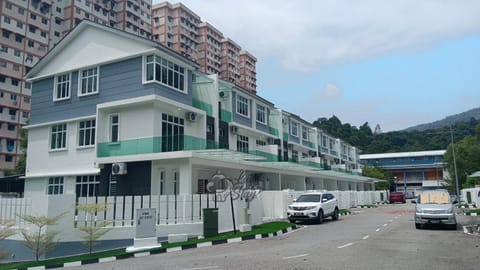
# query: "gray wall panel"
[[118, 81]]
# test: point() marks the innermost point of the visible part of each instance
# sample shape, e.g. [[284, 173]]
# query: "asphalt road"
[[376, 238]]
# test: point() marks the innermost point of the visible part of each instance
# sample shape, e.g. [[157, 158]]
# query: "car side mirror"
[[324, 200], [413, 201], [294, 200]]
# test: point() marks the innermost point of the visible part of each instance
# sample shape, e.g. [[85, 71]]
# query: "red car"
[[397, 197]]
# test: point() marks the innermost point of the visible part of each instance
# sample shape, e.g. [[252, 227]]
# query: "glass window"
[[55, 186], [114, 128], [261, 114], [243, 106], [305, 133], [86, 133], [242, 143], [62, 87], [294, 129], [163, 71], [58, 137], [172, 133], [88, 81], [87, 186]]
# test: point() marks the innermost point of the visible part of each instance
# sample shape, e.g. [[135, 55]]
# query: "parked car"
[[313, 206], [435, 207], [397, 197]]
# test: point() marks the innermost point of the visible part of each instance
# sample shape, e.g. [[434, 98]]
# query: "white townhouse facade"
[[117, 114]]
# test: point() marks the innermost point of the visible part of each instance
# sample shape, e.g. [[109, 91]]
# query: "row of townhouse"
[[117, 114]]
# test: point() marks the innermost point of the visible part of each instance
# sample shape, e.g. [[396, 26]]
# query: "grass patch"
[[265, 228], [471, 211], [463, 205], [344, 212]]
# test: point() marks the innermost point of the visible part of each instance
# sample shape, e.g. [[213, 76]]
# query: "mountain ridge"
[[447, 121]]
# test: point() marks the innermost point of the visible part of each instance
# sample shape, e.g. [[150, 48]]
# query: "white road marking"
[[346, 245], [385, 225], [377, 230], [294, 257], [365, 237], [202, 268], [390, 221]]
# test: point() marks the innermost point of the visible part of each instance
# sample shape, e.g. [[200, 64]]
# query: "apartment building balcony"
[[13, 27]]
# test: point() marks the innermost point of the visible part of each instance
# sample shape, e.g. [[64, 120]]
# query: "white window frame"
[[169, 65], [245, 103], [264, 112], [64, 134], [110, 129], [69, 84], [91, 139], [51, 185], [243, 143], [294, 128], [88, 77], [305, 133]]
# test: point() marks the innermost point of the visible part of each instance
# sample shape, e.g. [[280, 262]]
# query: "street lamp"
[[454, 163]]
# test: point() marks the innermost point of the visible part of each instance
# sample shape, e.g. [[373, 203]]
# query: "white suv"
[[313, 206]]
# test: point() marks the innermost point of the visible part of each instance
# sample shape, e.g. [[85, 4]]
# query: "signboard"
[[146, 227]]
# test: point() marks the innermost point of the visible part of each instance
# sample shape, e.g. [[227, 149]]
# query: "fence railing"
[[11, 209], [170, 209]]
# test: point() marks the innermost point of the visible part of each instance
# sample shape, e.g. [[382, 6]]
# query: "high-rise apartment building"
[[248, 73], [209, 48], [29, 28], [176, 27], [179, 28]]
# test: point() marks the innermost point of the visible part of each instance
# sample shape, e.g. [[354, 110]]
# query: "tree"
[[467, 155], [39, 240], [93, 229], [6, 230], [375, 172]]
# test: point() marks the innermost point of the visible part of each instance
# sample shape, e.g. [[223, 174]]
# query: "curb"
[[163, 250], [471, 214], [345, 214]]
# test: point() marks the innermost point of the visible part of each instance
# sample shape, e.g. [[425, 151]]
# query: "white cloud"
[[307, 35], [332, 91]]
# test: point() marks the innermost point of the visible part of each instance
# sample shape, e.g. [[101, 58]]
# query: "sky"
[[395, 63]]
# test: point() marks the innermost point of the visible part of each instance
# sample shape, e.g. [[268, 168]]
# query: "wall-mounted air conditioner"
[[284, 120], [191, 116], [119, 168], [223, 94]]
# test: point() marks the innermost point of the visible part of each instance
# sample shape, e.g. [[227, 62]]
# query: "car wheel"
[[404, 202], [320, 217], [418, 226], [453, 227], [291, 220], [335, 214]]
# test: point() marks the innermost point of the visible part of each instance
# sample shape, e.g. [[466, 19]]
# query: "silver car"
[[434, 207]]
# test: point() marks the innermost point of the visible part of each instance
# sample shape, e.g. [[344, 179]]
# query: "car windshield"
[[434, 198], [308, 198]]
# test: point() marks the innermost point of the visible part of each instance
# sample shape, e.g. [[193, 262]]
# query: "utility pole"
[[455, 164]]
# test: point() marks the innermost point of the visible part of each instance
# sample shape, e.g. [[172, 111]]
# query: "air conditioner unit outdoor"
[[223, 94], [119, 168], [191, 116], [284, 121], [234, 129]]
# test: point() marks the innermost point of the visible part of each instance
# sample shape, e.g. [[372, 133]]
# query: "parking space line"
[[377, 230], [203, 268], [365, 237], [346, 245], [385, 225], [294, 257]]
